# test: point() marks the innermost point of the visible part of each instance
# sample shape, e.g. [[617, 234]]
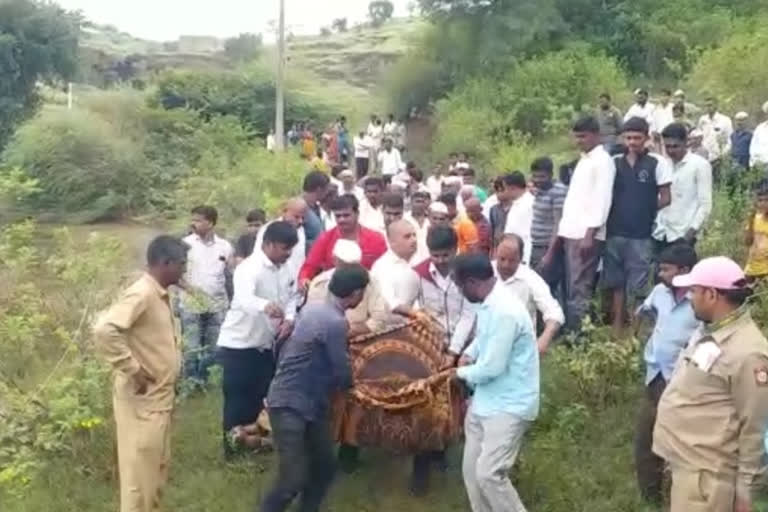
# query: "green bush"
[[53, 402], [735, 72], [257, 179], [495, 119], [80, 162], [249, 97]]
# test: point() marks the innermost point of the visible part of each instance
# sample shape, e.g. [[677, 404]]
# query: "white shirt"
[[206, 263], [588, 201], [298, 254], [390, 162], [271, 142], [356, 191], [519, 221], [422, 251], [389, 272], [363, 146], [370, 217], [534, 293], [758, 149], [643, 112], [257, 282], [489, 203], [435, 186], [390, 130], [662, 117], [329, 220], [717, 132], [439, 296], [375, 132], [691, 193], [402, 134]]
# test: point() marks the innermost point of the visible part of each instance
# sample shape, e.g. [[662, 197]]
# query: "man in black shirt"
[[640, 189]]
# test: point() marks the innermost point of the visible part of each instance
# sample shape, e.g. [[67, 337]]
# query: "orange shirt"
[[466, 232]]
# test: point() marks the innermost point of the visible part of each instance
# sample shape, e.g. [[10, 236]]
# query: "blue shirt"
[[505, 372], [313, 226], [740, 142], [675, 323], [313, 362]]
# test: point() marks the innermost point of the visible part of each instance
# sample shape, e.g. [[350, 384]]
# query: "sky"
[[164, 20]]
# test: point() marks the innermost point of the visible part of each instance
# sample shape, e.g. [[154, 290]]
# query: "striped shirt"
[[544, 206]]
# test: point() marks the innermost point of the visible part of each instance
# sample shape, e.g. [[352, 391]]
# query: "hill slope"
[[346, 66]]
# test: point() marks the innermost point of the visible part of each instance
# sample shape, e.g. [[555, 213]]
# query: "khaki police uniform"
[[713, 415], [139, 332]]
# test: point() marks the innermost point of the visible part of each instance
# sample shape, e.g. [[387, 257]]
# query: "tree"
[[339, 24], [243, 47], [38, 42], [380, 11]]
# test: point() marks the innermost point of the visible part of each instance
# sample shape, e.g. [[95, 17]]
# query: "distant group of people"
[[712, 135], [501, 271]]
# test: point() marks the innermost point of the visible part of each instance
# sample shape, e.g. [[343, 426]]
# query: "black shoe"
[[441, 461], [349, 458], [419, 484]]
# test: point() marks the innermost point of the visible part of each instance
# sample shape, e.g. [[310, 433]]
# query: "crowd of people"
[[370, 243]]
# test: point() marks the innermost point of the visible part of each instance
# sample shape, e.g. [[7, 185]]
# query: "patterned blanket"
[[400, 401]]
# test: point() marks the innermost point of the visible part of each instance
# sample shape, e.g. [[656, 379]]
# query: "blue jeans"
[[306, 464], [200, 332]]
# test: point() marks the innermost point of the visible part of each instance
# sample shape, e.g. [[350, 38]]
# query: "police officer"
[[714, 412], [139, 339]]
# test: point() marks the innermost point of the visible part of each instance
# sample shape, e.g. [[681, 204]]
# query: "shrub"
[[53, 402], [735, 72], [80, 162], [249, 97], [538, 89], [258, 179]]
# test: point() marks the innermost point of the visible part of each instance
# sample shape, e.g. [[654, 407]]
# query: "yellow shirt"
[[318, 164], [757, 261], [139, 332]]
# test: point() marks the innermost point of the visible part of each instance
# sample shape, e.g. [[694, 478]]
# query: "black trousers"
[[247, 375], [649, 466], [361, 164], [306, 463]]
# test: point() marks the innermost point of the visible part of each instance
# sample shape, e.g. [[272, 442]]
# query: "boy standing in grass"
[[675, 323], [757, 235]]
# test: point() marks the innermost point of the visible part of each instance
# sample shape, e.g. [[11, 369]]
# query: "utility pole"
[[280, 98]]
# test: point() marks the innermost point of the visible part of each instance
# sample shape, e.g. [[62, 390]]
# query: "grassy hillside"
[[358, 56], [344, 69]]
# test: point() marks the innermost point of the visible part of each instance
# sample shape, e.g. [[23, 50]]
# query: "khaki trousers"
[[143, 452], [702, 491]]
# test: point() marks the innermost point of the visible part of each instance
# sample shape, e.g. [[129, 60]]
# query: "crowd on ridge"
[[369, 243]]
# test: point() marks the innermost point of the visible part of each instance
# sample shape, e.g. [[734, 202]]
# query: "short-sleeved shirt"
[[206, 266], [636, 195], [544, 206], [757, 262], [466, 232]]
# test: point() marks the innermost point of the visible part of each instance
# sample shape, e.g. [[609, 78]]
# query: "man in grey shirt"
[[610, 120], [312, 364]]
